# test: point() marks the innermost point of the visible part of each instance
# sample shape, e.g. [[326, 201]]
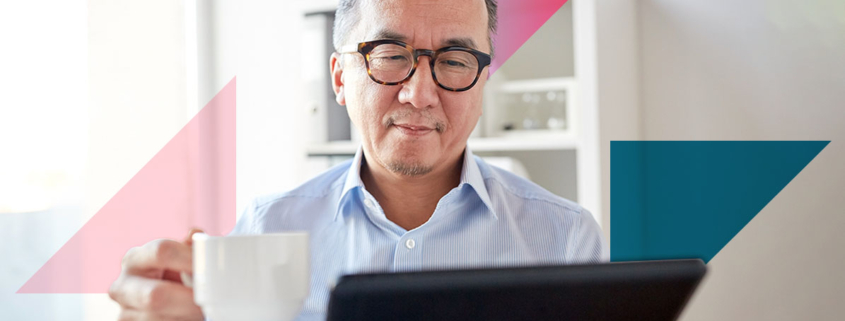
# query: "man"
[[411, 74]]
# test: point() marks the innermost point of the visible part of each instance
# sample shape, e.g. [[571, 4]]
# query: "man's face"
[[415, 127]]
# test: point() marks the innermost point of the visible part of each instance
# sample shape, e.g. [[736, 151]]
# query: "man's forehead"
[[448, 22]]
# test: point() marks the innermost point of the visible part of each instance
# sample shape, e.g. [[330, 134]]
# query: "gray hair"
[[347, 16]]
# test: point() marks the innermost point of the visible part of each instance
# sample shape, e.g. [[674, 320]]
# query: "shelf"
[[338, 148], [524, 142], [535, 85]]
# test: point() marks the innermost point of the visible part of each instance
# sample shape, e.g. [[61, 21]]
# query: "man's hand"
[[150, 288]]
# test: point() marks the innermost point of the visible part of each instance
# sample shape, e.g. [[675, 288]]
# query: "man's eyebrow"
[[385, 34], [461, 42]]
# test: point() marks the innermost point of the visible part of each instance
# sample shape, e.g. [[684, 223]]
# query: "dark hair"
[[346, 17]]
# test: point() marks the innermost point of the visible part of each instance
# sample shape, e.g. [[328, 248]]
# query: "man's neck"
[[409, 201]]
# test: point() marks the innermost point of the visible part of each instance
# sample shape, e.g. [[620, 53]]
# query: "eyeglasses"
[[391, 62]]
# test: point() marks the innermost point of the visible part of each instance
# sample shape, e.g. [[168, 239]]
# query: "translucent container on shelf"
[[533, 111]]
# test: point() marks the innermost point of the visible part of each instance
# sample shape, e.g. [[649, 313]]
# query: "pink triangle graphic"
[[188, 183], [518, 21]]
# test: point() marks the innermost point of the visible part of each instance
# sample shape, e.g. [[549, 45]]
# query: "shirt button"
[[410, 244], [369, 203]]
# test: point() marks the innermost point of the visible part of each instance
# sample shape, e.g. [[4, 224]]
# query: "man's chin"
[[409, 168], [407, 159]]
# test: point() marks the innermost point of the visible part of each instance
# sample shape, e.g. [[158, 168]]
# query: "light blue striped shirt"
[[493, 218]]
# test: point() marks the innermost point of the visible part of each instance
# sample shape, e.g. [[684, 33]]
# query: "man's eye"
[[454, 63], [389, 57]]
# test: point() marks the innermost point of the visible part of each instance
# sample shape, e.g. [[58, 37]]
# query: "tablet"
[[648, 290]]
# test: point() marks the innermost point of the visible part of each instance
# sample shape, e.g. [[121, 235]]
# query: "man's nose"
[[420, 90]]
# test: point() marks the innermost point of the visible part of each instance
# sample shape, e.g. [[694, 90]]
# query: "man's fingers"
[[141, 291], [159, 254], [154, 297], [189, 240]]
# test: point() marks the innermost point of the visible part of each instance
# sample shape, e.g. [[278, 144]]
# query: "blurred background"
[[91, 90]]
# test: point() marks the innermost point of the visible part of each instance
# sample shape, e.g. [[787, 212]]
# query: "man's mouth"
[[413, 130]]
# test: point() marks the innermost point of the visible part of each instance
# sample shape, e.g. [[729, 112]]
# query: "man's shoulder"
[[502, 183], [299, 207], [544, 215], [325, 185], [320, 186]]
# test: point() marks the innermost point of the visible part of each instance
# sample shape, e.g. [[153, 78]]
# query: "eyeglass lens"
[[392, 63]]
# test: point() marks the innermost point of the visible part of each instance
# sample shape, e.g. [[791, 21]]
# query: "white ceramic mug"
[[252, 277]]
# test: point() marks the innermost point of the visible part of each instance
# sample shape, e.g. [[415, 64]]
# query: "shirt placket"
[[407, 245]]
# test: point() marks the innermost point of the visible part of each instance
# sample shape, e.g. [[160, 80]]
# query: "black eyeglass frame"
[[364, 48]]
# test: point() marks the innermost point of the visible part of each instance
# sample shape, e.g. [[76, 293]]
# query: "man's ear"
[[337, 78]]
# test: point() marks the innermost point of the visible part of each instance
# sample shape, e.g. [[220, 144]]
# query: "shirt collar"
[[353, 180], [470, 175]]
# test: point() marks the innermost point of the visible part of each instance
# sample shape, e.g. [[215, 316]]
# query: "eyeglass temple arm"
[[348, 49]]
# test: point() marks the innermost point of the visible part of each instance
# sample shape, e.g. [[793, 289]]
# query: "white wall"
[[257, 41], [758, 70]]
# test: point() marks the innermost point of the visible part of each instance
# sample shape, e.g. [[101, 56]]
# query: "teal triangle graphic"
[[688, 199]]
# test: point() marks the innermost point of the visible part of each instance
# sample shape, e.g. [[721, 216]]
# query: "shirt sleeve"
[[588, 243]]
